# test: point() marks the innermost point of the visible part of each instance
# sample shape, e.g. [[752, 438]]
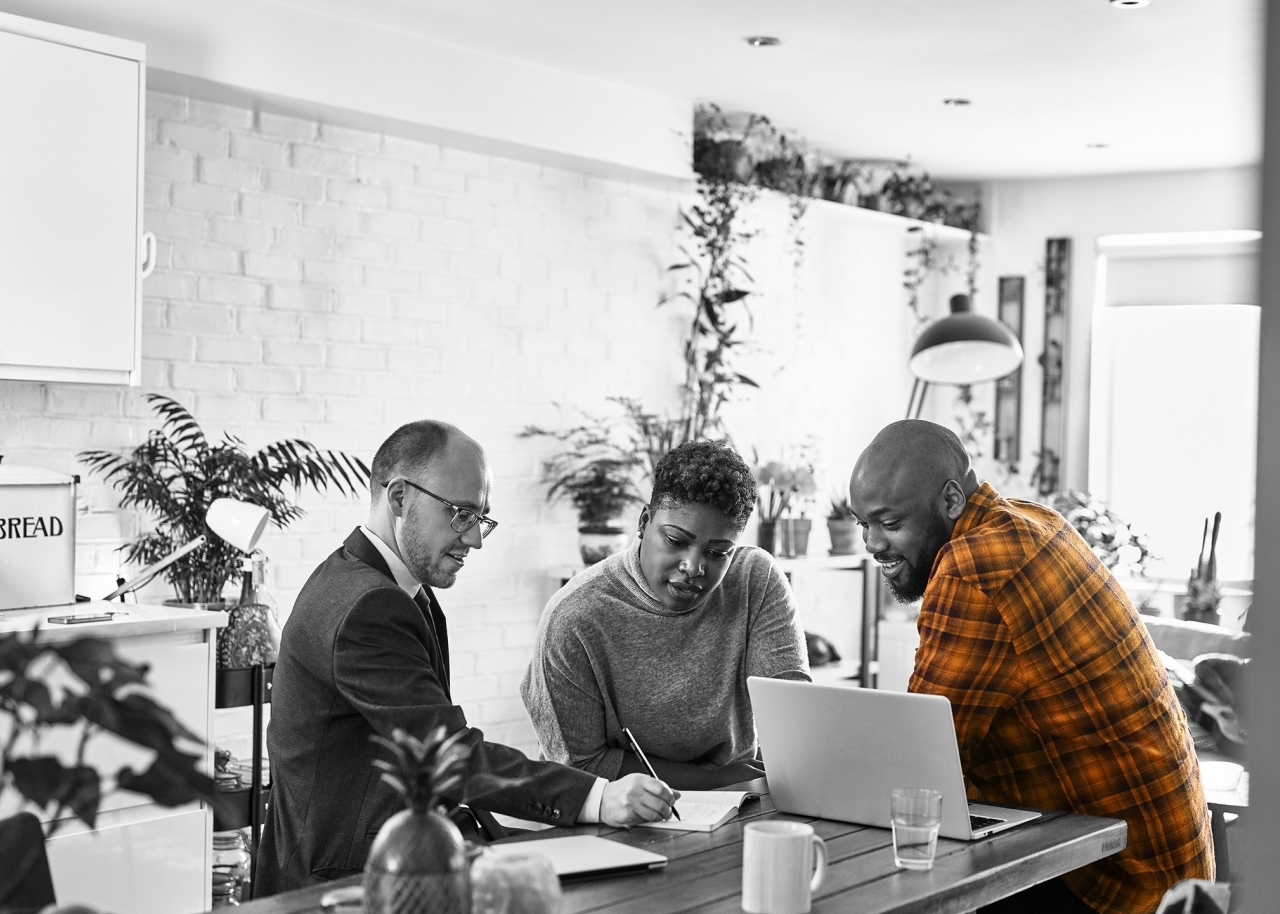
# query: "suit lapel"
[[438, 648]]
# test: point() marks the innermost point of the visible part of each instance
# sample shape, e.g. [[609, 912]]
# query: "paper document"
[[703, 810]]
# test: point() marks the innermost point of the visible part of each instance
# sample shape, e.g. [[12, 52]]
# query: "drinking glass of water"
[[916, 813]]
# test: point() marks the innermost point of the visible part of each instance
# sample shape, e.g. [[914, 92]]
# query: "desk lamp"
[[237, 522], [961, 348]]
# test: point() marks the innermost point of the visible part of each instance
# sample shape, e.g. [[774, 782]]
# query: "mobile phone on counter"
[[82, 617]]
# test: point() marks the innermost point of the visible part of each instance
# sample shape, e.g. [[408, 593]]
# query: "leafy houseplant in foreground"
[[82, 686], [178, 472]]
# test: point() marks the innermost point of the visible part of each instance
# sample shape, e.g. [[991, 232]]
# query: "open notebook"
[[703, 810]]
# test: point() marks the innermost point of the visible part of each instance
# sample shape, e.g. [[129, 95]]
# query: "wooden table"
[[705, 872]]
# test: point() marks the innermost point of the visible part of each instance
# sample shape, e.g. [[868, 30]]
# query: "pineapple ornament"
[[418, 862]]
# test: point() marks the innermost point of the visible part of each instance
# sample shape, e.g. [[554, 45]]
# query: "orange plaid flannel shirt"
[[1060, 700]]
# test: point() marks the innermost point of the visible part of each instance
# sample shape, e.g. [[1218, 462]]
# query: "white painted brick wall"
[[330, 283]]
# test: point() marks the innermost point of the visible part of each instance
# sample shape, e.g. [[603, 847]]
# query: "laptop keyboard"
[[979, 822]]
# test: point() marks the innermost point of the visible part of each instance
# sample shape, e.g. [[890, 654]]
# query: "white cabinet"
[[141, 858], [71, 139]]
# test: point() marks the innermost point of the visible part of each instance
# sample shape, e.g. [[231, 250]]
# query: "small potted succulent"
[[842, 526]]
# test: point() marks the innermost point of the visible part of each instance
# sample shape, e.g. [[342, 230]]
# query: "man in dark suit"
[[366, 650]]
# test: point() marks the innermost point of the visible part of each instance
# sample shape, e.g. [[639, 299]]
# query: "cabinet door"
[[145, 861], [70, 149]]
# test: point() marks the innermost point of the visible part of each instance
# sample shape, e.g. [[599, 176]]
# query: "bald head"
[[908, 489], [413, 449], [913, 455]]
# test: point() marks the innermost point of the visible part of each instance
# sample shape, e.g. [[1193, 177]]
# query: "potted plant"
[[596, 473], [98, 692], [418, 861], [178, 472], [842, 526], [782, 489]]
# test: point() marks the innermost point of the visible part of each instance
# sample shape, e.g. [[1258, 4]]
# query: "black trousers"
[[1052, 897]]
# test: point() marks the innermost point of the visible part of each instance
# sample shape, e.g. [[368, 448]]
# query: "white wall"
[[293, 59], [331, 283], [1024, 214]]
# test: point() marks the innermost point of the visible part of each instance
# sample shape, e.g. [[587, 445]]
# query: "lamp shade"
[[238, 522], [964, 348]]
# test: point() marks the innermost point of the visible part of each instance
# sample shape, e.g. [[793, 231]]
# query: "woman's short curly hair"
[[705, 473]]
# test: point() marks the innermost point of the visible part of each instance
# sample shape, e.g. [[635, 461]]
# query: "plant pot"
[[786, 537], [598, 543], [844, 536], [417, 864], [795, 535], [216, 606]]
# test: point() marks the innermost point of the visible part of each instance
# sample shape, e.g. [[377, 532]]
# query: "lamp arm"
[[146, 574]]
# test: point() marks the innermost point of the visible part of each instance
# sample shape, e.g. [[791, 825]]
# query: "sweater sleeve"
[[564, 699], [775, 642]]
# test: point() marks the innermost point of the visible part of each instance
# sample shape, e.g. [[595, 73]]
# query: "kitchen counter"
[[129, 620]]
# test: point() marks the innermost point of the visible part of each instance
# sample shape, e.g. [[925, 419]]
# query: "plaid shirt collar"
[[983, 500]]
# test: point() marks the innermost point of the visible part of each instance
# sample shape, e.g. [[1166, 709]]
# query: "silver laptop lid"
[[837, 752]]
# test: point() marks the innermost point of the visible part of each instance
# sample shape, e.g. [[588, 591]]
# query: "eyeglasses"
[[463, 518]]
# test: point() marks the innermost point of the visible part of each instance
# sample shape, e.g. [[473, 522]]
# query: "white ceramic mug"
[[778, 874]]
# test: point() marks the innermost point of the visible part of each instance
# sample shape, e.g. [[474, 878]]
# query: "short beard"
[[912, 584]]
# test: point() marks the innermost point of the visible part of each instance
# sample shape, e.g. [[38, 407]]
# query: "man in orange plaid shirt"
[[1060, 700]]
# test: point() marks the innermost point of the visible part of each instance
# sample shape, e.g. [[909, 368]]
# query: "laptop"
[[837, 752]]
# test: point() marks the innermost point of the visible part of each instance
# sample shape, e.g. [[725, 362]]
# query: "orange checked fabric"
[[1059, 697]]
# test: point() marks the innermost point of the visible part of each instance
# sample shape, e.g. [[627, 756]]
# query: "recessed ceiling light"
[[1097, 146], [1130, 4], [762, 41], [956, 102]]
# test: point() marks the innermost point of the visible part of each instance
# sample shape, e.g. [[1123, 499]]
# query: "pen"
[[640, 752]]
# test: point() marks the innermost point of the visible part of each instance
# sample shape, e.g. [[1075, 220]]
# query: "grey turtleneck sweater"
[[609, 655]]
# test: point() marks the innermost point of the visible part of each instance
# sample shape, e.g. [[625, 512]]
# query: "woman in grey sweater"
[[661, 638]]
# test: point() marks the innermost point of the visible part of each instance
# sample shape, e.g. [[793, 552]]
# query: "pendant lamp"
[[962, 348]]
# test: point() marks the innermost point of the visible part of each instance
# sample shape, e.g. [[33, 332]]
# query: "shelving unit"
[[239, 688], [868, 643]]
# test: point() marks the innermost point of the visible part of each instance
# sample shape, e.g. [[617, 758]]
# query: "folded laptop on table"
[[837, 752]]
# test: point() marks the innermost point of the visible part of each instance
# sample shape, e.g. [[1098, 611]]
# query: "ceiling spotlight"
[[762, 41], [1097, 146], [956, 102], [1130, 4]]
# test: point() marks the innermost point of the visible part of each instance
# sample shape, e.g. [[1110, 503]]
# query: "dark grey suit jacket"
[[357, 657]]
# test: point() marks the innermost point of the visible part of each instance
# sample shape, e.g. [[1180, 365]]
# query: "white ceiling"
[[1175, 85]]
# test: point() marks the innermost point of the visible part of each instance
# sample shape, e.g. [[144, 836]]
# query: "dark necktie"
[[440, 632]]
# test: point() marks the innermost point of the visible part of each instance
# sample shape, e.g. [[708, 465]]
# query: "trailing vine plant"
[[717, 286]]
